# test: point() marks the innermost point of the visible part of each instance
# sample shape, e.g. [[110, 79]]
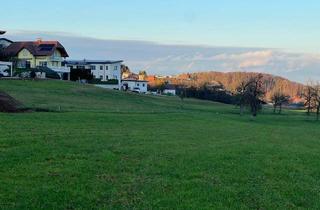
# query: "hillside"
[[101, 149], [231, 80]]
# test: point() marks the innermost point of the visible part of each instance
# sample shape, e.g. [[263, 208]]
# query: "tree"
[[33, 74], [254, 93], [79, 74], [143, 75], [278, 99], [241, 95], [182, 93], [308, 96], [316, 98]]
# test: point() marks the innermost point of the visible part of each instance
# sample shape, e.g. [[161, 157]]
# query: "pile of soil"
[[9, 104]]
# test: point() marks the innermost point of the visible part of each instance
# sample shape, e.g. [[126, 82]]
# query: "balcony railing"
[[56, 58]]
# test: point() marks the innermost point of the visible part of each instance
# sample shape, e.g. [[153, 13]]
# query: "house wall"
[[52, 61], [142, 85], [24, 54], [170, 91], [109, 71]]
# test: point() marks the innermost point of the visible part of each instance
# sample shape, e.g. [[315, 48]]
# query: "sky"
[[195, 27]]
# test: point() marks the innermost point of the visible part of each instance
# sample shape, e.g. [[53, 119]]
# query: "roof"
[[88, 62], [37, 48], [130, 79], [2, 32], [170, 87], [6, 40]]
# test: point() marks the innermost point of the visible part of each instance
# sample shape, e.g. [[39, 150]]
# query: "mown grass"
[[112, 150]]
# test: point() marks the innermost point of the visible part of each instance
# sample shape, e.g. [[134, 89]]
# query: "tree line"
[[251, 93]]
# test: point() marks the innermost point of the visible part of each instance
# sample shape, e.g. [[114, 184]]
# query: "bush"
[[99, 82], [82, 74]]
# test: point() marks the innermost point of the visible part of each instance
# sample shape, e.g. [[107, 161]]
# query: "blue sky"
[[291, 25]]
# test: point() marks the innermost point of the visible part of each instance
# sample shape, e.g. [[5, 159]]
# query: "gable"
[[24, 54]]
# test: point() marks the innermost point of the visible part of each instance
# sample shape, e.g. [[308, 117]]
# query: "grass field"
[[112, 150]]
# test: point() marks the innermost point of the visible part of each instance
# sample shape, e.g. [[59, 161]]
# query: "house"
[[47, 54], [169, 90], [104, 70], [134, 84]]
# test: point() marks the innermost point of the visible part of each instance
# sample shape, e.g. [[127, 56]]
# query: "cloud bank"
[[174, 59]]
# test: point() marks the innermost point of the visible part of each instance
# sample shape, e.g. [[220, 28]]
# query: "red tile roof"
[[37, 48]]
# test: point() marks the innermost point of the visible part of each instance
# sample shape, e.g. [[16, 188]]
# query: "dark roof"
[[88, 62], [37, 48], [170, 87], [6, 40]]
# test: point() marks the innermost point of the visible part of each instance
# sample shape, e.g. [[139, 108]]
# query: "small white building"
[[100, 69], [169, 90], [135, 85]]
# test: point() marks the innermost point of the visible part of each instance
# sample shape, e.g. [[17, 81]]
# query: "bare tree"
[[278, 99], [254, 93], [241, 95], [182, 94], [316, 98], [308, 96]]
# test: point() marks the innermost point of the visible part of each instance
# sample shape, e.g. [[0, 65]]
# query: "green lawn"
[[112, 150]]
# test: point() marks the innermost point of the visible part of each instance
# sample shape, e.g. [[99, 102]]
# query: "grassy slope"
[[122, 151]]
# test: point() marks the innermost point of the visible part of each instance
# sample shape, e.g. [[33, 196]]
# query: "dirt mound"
[[9, 104]]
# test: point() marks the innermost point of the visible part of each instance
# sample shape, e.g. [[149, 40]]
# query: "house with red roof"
[[34, 54]]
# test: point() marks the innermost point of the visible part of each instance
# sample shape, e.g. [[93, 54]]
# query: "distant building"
[[39, 53], [134, 84], [101, 69], [170, 90]]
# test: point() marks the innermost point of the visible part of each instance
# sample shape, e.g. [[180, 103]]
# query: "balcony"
[[56, 58]]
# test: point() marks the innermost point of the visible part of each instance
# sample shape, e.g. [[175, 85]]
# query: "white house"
[[101, 69], [133, 84], [169, 90]]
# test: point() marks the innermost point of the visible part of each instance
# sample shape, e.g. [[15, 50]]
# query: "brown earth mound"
[[9, 104]]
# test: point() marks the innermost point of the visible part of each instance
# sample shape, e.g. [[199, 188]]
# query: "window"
[[93, 67], [107, 77], [80, 67], [101, 67], [107, 67], [101, 77], [143, 85], [138, 84], [43, 63], [115, 67]]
